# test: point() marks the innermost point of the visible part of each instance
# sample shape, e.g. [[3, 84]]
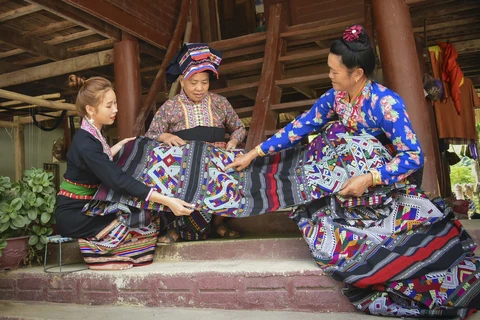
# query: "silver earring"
[[90, 120]]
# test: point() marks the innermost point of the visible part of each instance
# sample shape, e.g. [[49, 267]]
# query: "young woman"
[[117, 236]]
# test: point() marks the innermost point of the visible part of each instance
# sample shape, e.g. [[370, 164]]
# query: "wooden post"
[[368, 24], [195, 20], [127, 83], [160, 77], [268, 93], [19, 147], [401, 72]]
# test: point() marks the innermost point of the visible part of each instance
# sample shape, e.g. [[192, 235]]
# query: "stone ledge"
[[249, 285]]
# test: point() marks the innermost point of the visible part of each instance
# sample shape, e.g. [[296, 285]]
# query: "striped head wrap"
[[194, 58]]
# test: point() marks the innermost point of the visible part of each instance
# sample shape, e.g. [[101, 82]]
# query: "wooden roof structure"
[[42, 41]]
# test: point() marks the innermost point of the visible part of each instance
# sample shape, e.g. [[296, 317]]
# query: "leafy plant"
[[27, 207]]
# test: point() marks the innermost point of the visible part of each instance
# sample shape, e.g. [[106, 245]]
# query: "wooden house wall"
[[304, 11], [161, 15]]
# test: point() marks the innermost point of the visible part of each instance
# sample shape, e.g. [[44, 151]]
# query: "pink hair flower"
[[352, 33]]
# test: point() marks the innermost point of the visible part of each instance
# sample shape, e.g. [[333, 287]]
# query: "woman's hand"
[[242, 161], [356, 186], [171, 139], [232, 144], [179, 207], [119, 145]]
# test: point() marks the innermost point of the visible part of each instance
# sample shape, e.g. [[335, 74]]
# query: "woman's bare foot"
[[168, 239]]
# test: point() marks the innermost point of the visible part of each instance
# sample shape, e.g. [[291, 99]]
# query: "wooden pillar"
[[19, 148], [127, 83], [263, 118], [195, 20], [401, 71], [368, 24]]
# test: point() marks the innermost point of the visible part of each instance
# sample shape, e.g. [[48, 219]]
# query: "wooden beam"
[[41, 102], [468, 46], [19, 148], [12, 14], [102, 44], [27, 106], [6, 67], [239, 42], [237, 90], [46, 117], [51, 28], [151, 50], [306, 91], [79, 17], [88, 61], [303, 81], [43, 96], [241, 52], [317, 31], [8, 124], [160, 77], [293, 106], [123, 20], [447, 24], [241, 66], [445, 9], [305, 55], [263, 118], [56, 40], [30, 44]]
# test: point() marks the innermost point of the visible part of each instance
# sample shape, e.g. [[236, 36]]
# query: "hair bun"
[[75, 82], [355, 38]]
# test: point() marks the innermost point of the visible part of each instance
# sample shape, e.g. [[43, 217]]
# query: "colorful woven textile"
[[399, 253], [195, 173], [119, 247]]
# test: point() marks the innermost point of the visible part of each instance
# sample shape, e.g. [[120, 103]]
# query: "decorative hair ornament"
[[352, 33]]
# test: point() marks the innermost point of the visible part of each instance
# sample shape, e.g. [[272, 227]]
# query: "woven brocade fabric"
[[195, 173], [398, 252]]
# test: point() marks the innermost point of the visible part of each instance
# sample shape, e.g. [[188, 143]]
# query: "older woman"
[[399, 253], [196, 114]]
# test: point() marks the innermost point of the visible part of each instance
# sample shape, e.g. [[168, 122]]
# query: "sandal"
[[227, 234], [169, 239]]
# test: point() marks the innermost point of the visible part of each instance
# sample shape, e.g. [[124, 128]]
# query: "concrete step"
[[59, 311], [214, 249], [236, 249], [251, 247], [282, 285]]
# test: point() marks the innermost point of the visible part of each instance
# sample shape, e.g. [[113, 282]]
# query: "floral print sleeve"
[[393, 119], [305, 124], [159, 123], [233, 124]]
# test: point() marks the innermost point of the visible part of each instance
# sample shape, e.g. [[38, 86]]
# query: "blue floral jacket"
[[375, 110]]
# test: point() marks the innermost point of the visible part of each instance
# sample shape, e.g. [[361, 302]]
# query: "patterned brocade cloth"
[[399, 253]]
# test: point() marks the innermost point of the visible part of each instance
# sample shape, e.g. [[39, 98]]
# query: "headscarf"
[[194, 58]]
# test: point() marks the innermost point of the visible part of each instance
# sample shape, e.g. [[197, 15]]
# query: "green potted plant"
[[26, 214]]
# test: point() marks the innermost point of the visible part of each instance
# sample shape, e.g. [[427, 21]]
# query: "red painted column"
[[401, 72], [127, 83]]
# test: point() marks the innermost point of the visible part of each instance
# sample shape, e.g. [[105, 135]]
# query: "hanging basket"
[[15, 251]]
